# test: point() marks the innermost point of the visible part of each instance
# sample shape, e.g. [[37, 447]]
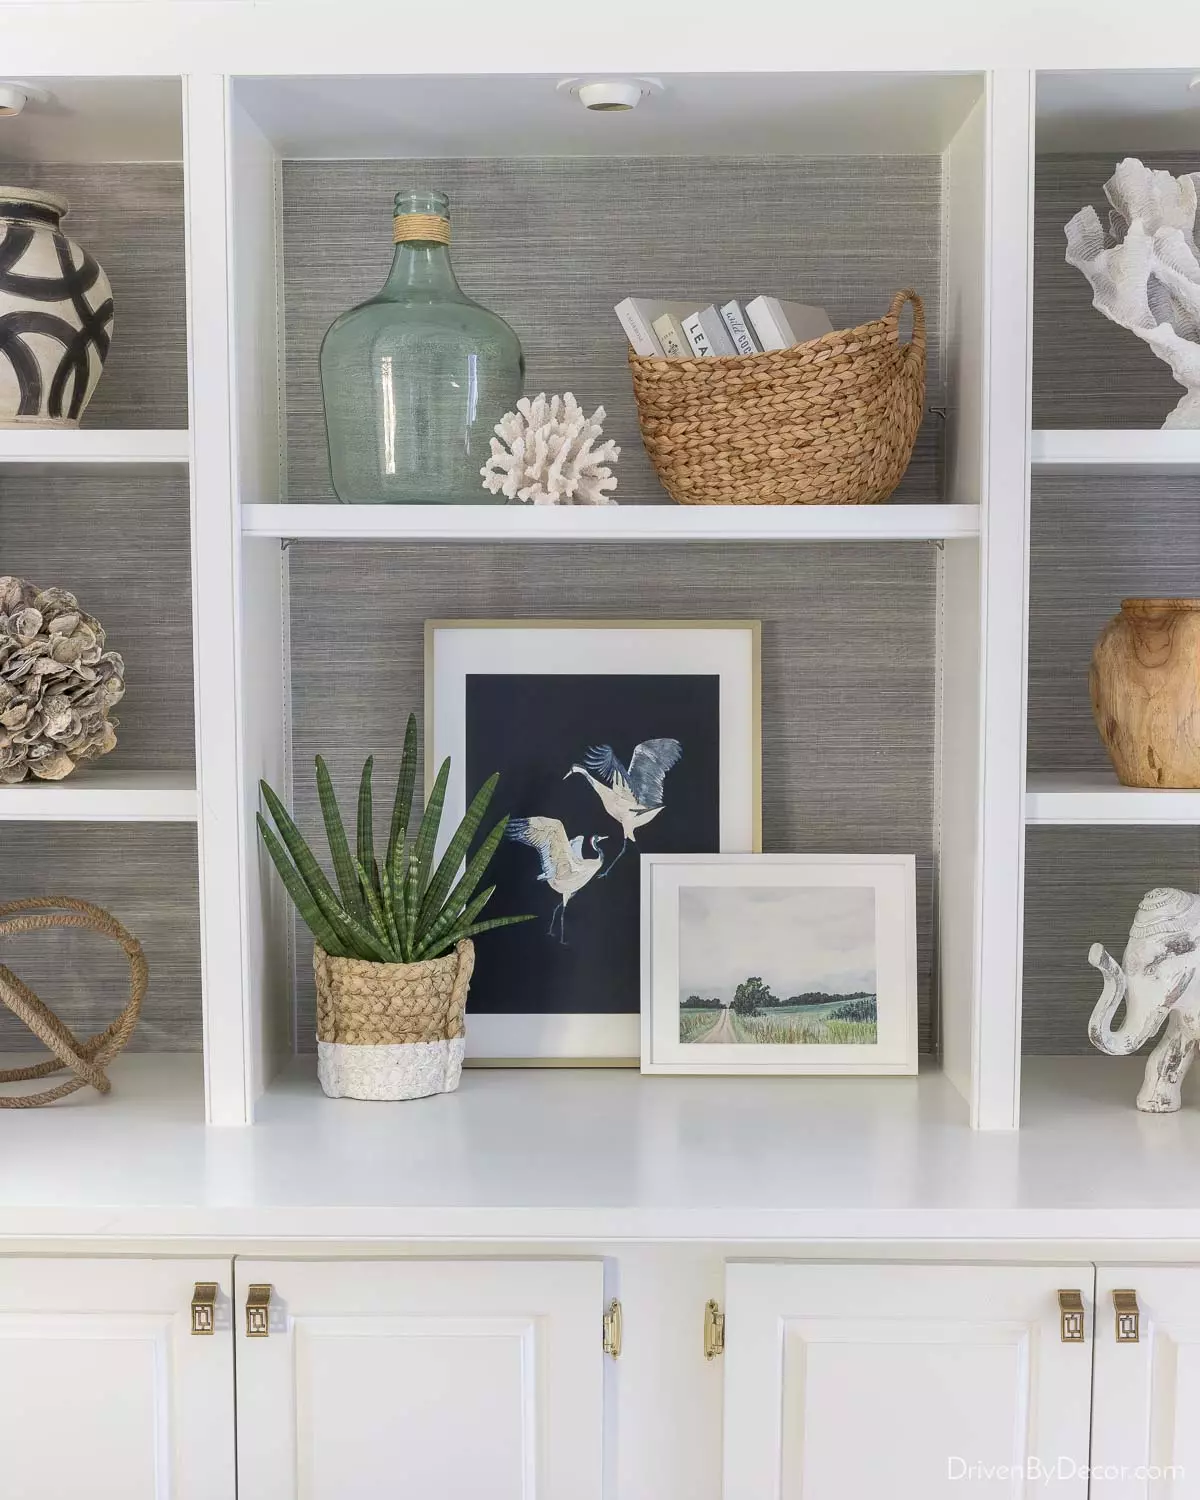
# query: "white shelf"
[[89, 451], [1136, 451], [1097, 797], [98, 795], [630, 523], [628, 1158]]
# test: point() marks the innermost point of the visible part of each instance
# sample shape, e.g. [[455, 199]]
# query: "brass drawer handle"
[[1070, 1315], [204, 1308], [1127, 1316], [258, 1310]]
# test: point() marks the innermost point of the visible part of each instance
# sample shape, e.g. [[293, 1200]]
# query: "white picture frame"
[[668, 881], [727, 650]]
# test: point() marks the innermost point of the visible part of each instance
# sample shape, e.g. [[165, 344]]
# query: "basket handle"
[[917, 342]]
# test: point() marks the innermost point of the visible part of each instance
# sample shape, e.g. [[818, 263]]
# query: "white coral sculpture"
[[57, 684], [1145, 273], [544, 452]]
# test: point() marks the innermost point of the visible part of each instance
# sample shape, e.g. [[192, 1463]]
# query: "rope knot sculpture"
[[86, 1060]]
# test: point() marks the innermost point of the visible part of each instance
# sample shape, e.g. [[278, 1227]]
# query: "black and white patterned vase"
[[56, 314]]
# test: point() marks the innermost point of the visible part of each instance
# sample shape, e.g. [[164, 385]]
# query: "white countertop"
[[606, 1155]]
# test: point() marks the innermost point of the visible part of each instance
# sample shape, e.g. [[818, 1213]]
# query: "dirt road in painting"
[[721, 1032]]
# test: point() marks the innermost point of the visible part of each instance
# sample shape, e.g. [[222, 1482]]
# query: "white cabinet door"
[[104, 1390], [856, 1382], [1145, 1427], [454, 1379]]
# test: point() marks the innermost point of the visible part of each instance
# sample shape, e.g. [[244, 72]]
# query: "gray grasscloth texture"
[[121, 546], [847, 673], [1087, 372], [1096, 539], [146, 875], [553, 244], [130, 216], [1082, 886]]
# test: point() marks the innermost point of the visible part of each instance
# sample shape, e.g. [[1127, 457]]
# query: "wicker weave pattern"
[[85, 1059], [370, 1004], [830, 422]]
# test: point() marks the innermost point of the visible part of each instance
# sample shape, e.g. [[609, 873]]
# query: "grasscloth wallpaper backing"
[[146, 875], [849, 631], [1094, 540], [847, 680], [121, 545], [553, 244]]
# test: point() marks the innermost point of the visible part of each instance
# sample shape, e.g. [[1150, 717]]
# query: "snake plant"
[[406, 910]]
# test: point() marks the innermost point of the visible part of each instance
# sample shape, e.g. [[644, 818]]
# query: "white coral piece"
[[1145, 274], [544, 452]]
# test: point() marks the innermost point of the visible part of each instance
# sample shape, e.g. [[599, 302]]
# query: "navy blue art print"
[[594, 770]]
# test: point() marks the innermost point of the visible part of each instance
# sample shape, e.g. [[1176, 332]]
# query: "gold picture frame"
[[434, 751]]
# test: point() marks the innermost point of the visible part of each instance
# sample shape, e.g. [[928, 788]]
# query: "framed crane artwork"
[[612, 739]]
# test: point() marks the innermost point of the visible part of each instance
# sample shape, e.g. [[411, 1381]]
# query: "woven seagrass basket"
[[391, 1031], [830, 422]]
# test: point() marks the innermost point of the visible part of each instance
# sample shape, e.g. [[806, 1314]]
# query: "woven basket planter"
[[831, 422], [391, 1031]]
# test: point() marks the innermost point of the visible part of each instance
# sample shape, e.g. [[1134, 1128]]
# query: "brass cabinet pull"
[[1070, 1314], [1126, 1315], [614, 1329], [204, 1308], [258, 1311], [714, 1330]]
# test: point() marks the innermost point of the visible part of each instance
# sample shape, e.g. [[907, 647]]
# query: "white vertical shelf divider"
[[258, 341], [1004, 586], [216, 540], [960, 623]]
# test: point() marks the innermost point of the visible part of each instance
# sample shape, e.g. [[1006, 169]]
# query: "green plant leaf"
[[456, 852], [356, 940], [406, 783], [388, 899], [375, 912], [412, 900], [465, 889], [310, 912], [431, 820], [454, 938], [305, 861], [339, 849], [448, 923], [473, 874], [359, 939], [366, 823]]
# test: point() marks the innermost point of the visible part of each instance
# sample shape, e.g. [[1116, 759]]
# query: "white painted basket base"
[[409, 1070]]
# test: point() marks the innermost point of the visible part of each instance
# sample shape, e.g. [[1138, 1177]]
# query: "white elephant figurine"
[[1158, 984]]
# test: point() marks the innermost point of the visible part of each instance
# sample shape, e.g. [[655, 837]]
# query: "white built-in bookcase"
[[233, 131]]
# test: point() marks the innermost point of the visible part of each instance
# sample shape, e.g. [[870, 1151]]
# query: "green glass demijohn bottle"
[[416, 379]]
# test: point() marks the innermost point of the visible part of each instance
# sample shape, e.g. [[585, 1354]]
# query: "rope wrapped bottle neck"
[[427, 228]]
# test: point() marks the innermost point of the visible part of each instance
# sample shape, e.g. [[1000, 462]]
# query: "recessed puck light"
[[14, 96], [610, 95]]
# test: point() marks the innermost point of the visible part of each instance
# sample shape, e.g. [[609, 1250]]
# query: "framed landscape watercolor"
[[779, 963], [612, 740]]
